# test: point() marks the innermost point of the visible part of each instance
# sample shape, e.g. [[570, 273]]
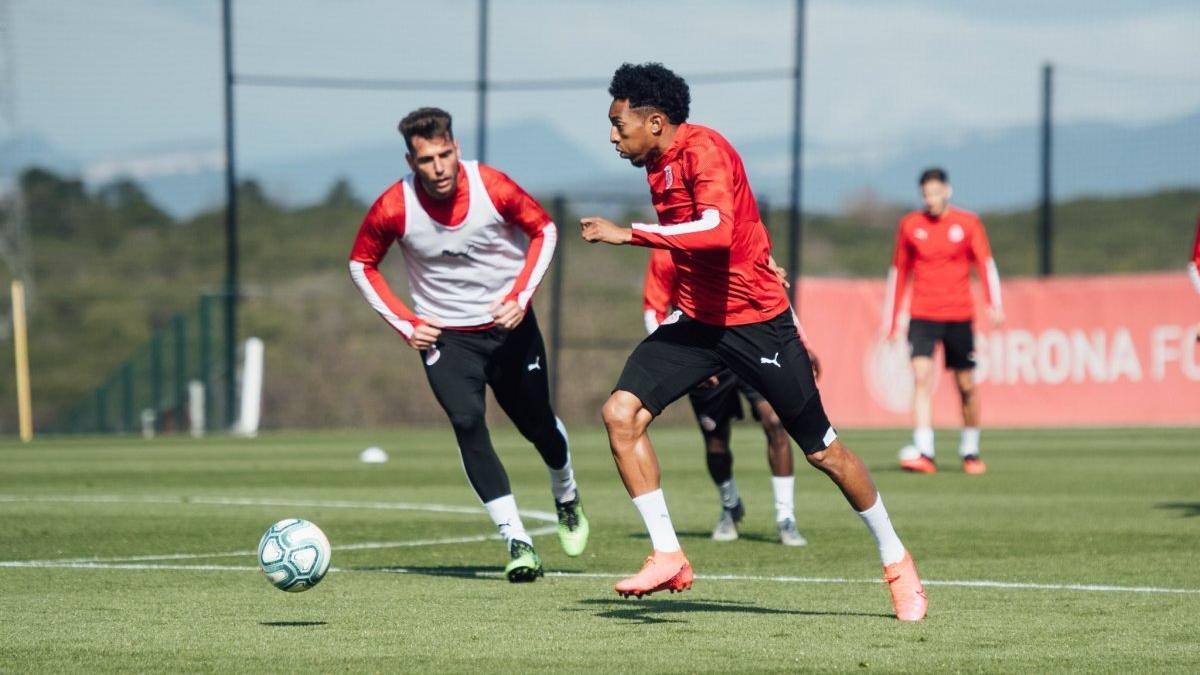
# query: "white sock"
[[923, 439], [729, 493], [562, 481], [890, 549], [503, 511], [653, 507], [970, 442], [785, 501]]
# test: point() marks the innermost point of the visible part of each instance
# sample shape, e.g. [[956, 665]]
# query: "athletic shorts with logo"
[[957, 338], [767, 357], [717, 406]]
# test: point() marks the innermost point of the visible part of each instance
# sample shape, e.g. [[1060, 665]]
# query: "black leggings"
[[513, 364]]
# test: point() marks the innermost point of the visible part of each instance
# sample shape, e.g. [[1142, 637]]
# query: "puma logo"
[[773, 360], [536, 365]]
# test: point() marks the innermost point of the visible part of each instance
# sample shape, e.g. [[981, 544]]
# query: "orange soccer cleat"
[[662, 572], [908, 595], [918, 464], [973, 465]]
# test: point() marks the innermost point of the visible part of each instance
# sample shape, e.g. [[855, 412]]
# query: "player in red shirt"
[[1194, 270], [475, 247], [938, 246], [731, 312], [716, 402]]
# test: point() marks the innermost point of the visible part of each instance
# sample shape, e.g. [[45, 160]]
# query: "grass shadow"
[[676, 611], [1186, 509], [291, 624], [477, 572], [698, 534]]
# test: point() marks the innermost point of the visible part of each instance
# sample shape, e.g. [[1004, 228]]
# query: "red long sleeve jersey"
[[658, 292], [1194, 265], [490, 241], [938, 251], [709, 221]]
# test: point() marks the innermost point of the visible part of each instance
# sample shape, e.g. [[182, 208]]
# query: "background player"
[[475, 247], [732, 312], [716, 404], [937, 246]]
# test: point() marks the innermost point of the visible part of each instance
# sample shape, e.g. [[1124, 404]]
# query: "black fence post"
[[179, 335], [556, 299], [204, 372], [127, 414], [1046, 223], [156, 377]]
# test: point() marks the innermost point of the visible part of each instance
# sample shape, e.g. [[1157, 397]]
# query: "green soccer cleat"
[[525, 565], [572, 527]]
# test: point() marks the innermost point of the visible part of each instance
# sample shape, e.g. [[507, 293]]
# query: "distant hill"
[[990, 170]]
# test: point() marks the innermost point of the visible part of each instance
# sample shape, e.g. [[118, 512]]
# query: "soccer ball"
[[294, 554], [909, 452]]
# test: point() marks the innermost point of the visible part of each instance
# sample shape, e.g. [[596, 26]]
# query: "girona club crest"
[[668, 177]]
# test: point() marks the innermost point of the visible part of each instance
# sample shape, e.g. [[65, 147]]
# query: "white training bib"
[[456, 273]]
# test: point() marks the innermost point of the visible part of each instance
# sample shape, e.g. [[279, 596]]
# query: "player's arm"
[[657, 288], [712, 194], [989, 276], [897, 281], [375, 236], [521, 210]]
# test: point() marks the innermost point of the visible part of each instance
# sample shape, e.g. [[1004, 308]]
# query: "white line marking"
[[543, 516], [1002, 585]]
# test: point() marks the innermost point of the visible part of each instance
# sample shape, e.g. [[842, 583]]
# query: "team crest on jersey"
[[668, 177], [956, 233], [920, 233]]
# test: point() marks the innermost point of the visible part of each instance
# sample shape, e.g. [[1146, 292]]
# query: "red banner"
[[1100, 351]]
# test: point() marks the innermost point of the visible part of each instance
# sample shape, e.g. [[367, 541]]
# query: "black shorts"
[[957, 338], [718, 405], [767, 356]]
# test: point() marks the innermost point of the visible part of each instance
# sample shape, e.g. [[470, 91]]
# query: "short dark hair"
[[934, 173], [428, 123], [652, 85]]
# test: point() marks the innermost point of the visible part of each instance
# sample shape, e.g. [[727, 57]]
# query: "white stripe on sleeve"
[[651, 318], [1195, 276], [359, 274], [709, 219], [993, 282], [549, 241]]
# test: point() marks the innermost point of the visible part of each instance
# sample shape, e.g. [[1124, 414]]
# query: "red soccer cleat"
[[908, 595], [661, 572], [918, 464], [973, 465]]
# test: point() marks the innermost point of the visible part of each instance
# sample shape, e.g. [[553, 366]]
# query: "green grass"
[[1109, 507]]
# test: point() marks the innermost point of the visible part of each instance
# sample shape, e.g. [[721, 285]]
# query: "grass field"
[[1077, 551]]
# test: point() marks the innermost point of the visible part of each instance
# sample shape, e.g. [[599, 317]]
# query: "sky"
[[107, 80]]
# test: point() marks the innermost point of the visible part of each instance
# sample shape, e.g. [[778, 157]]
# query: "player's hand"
[[779, 272], [507, 314], [595, 229], [997, 315], [816, 365], [710, 383], [426, 335]]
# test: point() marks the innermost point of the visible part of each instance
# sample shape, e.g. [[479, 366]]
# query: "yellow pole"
[[21, 345]]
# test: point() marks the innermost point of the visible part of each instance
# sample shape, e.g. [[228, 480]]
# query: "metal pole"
[[204, 333], [127, 420], [21, 357], [156, 378], [482, 84], [556, 300], [231, 221], [795, 207], [179, 335], [1046, 224]]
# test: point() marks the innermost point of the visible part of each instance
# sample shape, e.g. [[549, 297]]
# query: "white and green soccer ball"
[[294, 554]]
